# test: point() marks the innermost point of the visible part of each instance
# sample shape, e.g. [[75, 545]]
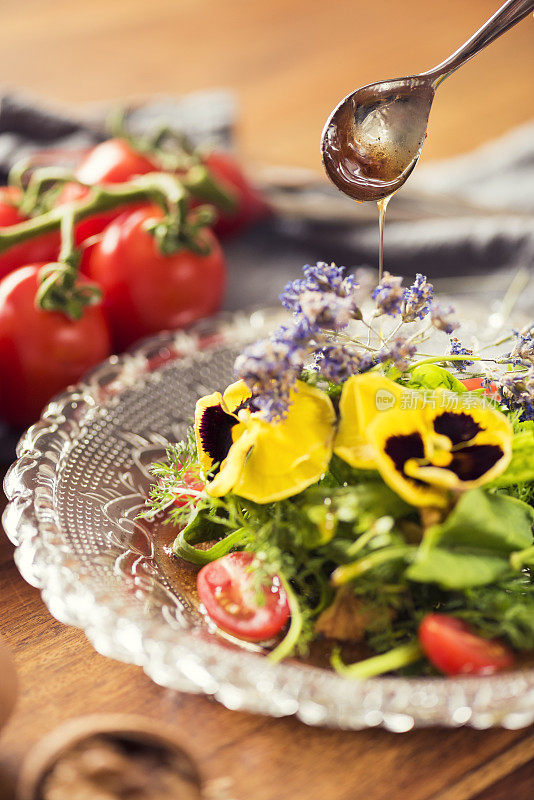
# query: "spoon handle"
[[508, 15]]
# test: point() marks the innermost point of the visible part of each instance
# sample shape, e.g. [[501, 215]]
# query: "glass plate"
[[75, 491]]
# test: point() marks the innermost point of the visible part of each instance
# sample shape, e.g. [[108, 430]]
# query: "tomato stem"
[[39, 179], [168, 191]]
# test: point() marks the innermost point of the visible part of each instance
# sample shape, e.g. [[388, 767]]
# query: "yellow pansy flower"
[[263, 461], [423, 451]]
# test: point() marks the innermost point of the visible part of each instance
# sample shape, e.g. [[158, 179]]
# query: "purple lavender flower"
[[389, 295], [324, 297], [441, 318], [327, 310], [523, 350], [517, 392], [457, 349], [416, 301], [400, 352], [271, 366], [337, 363]]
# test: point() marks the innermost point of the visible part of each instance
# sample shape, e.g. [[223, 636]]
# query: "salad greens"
[[378, 489]]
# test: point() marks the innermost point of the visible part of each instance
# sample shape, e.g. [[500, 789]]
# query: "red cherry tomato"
[[42, 248], [112, 161], [146, 291], [227, 590], [476, 383], [451, 646], [251, 206], [42, 352], [9, 213]]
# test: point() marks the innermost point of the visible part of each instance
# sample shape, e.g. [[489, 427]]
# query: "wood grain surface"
[[289, 61]]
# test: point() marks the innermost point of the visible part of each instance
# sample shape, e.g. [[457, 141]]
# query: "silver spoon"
[[373, 139]]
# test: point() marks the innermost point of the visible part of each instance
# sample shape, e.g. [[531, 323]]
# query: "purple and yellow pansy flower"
[[264, 461], [424, 451]]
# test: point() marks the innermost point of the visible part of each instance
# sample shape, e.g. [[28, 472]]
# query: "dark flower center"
[[215, 431], [458, 427], [401, 448], [472, 462]]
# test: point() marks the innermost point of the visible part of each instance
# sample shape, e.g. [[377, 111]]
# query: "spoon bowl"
[[372, 140]]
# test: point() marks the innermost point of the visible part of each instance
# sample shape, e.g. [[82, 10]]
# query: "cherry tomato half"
[[451, 646], [251, 205], [112, 161], [227, 590], [42, 248], [146, 291], [42, 352]]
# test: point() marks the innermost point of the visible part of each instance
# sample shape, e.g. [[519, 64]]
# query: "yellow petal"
[[289, 455], [232, 466], [363, 397], [235, 395]]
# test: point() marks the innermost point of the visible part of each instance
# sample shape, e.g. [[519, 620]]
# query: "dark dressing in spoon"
[[372, 142]]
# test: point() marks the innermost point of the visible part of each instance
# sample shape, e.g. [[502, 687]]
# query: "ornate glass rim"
[[178, 658]]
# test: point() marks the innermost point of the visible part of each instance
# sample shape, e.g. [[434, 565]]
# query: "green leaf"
[[430, 376], [521, 467], [484, 521], [457, 570]]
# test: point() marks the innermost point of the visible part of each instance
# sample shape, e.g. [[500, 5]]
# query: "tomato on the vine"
[[40, 248], [228, 592], [250, 204], [42, 352], [146, 291], [454, 649], [9, 212], [112, 161]]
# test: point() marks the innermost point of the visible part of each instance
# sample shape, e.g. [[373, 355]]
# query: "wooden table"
[[286, 60]]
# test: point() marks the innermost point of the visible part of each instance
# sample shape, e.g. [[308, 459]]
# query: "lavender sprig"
[[271, 366], [336, 362], [416, 300], [441, 318], [457, 349], [517, 392], [389, 295], [400, 352], [523, 351]]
